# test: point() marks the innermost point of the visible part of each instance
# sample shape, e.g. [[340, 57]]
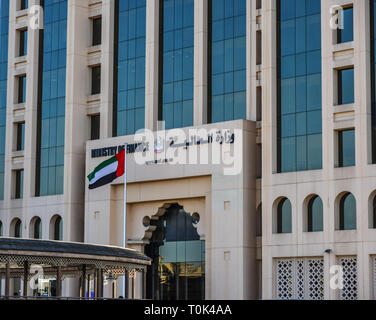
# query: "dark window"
[[299, 113], [38, 229], [315, 215], [259, 221], [24, 4], [346, 34], [346, 86], [97, 31], [1, 229], [23, 43], [284, 217], [21, 89], [20, 136], [19, 184], [346, 148], [96, 80], [347, 212], [95, 127], [18, 229], [58, 229]]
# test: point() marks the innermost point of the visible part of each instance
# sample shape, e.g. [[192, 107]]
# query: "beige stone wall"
[[226, 205], [329, 182]]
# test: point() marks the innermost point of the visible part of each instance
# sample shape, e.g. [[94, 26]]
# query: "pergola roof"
[[74, 250], [60, 260]]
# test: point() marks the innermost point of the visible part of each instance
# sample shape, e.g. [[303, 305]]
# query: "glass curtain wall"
[[227, 60], [52, 111], [299, 115], [129, 75], [4, 25], [177, 57]]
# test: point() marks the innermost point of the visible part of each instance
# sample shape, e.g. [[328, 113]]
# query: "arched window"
[[315, 215], [284, 216], [56, 228], [16, 228], [259, 221], [347, 212], [1, 229], [36, 228]]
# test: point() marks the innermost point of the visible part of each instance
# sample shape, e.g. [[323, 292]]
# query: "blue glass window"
[[299, 86], [347, 212], [315, 215], [346, 148], [53, 98], [346, 86], [4, 19], [131, 66], [347, 33], [177, 73], [228, 60], [284, 216]]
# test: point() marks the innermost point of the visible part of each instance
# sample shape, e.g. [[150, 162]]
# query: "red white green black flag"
[[107, 171]]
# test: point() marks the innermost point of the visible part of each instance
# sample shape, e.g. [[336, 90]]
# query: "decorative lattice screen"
[[350, 278], [301, 279]]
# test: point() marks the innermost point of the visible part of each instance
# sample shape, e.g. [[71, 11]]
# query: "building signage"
[[221, 138]]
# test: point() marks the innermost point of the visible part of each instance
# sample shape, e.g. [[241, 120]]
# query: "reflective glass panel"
[[228, 60], [4, 19], [53, 98], [130, 66], [299, 86]]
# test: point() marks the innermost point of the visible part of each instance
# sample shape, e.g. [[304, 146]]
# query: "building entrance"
[[178, 268]]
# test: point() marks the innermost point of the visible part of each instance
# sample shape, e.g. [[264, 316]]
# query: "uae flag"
[[107, 171]]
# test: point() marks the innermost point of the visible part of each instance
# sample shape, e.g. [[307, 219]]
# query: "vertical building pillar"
[[251, 61], [144, 278], [200, 103], [89, 285], [83, 282], [152, 65], [269, 137], [76, 116], [58, 281], [7, 279], [100, 283], [96, 283], [107, 62], [25, 279]]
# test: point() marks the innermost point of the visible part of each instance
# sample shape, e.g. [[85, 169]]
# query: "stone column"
[[200, 103], [152, 65], [58, 281]]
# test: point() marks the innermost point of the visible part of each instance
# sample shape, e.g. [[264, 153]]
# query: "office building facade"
[[291, 82]]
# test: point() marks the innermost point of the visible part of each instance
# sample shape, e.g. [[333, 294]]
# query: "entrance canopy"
[[67, 259]]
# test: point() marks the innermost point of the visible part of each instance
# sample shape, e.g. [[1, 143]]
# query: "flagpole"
[[125, 212]]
